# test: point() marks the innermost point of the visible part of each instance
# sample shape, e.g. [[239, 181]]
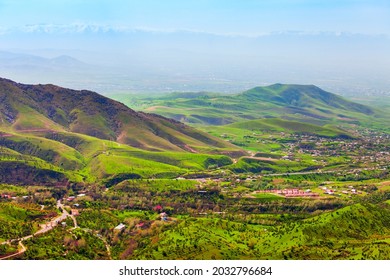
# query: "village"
[[331, 173], [370, 150]]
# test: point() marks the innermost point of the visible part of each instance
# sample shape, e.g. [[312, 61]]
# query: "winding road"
[[44, 228], [47, 227]]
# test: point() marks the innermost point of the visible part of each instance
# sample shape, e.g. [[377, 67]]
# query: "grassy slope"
[[382, 102], [27, 107], [54, 129], [354, 232], [349, 233], [280, 125], [307, 104], [257, 135], [81, 157], [18, 220]]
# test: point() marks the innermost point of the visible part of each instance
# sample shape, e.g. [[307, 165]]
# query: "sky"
[[245, 17], [247, 42]]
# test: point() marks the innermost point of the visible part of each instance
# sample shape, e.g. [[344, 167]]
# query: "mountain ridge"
[[301, 95], [302, 103], [92, 114], [51, 135]]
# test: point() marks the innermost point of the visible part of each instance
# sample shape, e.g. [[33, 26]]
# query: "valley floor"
[[308, 197], [284, 216], [312, 184]]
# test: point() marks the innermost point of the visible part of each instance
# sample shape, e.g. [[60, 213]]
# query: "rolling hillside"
[[82, 136], [303, 96], [27, 108], [353, 232], [301, 103]]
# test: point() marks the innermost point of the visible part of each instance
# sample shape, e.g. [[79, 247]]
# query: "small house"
[[164, 216], [120, 227], [140, 225]]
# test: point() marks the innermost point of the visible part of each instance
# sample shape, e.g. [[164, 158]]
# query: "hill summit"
[[29, 108], [51, 135], [303, 96], [302, 103]]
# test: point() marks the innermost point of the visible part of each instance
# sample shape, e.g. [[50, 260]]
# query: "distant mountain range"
[[63, 69], [144, 60], [9, 59]]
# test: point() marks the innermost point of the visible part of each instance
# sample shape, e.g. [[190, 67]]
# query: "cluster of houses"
[[8, 196], [291, 192], [308, 192], [369, 147], [145, 225], [71, 198], [163, 215], [351, 190]]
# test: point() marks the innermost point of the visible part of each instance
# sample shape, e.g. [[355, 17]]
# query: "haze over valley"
[[151, 47], [195, 130]]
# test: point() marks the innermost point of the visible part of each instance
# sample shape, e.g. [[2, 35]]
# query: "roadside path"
[[44, 228], [49, 226]]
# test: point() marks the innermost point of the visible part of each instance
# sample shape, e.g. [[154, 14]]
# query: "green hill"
[[29, 108], [303, 96], [60, 134], [301, 103]]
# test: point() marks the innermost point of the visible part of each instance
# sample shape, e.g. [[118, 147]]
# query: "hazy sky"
[[225, 45], [249, 17]]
